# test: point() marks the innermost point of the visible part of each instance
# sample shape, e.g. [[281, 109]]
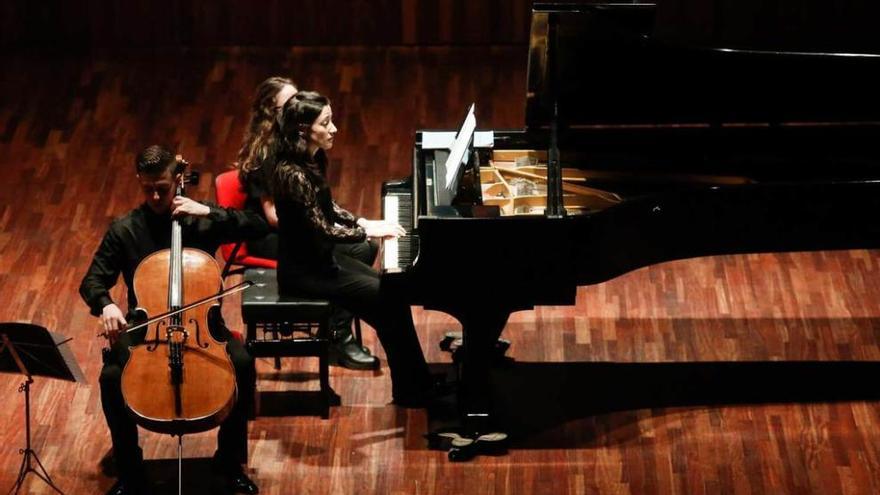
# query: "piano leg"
[[481, 328], [480, 332]]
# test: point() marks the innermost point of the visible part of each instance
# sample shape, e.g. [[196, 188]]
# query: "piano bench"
[[279, 319]]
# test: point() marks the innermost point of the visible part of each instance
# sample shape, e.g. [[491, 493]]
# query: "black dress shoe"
[[122, 488], [108, 464], [346, 352], [118, 489], [241, 483], [233, 476]]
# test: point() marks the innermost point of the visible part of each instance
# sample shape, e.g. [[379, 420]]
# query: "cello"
[[180, 379]]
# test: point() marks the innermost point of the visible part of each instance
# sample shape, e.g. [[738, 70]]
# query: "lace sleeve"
[[343, 216], [297, 188]]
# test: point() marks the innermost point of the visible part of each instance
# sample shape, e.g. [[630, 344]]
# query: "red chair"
[[231, 194]]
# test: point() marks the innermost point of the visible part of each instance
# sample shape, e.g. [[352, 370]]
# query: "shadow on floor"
[[537, 403]]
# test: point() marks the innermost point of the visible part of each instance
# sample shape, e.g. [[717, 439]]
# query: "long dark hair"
[[292, 127], [290, 146], [258, 137]]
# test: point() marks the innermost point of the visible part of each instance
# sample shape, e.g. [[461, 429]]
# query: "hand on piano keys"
[[396, 251], [382, 229]]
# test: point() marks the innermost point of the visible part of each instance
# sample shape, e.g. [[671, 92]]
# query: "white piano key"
[[390, 257]]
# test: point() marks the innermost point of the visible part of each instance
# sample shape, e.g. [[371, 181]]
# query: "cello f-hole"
[[155, 343], [199, 343]]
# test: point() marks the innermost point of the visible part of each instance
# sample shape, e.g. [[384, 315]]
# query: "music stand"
[[32, 350]]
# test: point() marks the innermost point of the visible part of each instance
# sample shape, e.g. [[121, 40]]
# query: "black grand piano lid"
[[693, 64]]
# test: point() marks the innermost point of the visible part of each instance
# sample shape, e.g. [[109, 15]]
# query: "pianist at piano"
[[269, 97], [310, 224]]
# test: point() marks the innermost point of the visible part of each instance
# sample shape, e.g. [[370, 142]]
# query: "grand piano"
[[638, 148]]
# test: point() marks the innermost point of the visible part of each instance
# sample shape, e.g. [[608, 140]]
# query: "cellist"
[[130, 238]]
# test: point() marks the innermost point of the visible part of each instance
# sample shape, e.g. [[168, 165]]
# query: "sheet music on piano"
[[443, 140], [458, 153]]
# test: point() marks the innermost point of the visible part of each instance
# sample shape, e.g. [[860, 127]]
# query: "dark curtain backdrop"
[[121, 24], [807, 25]]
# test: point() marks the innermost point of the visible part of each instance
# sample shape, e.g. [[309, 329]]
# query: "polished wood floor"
[[736, 374]]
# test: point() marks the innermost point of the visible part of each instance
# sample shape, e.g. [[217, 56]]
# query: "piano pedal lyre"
[[462, 448]]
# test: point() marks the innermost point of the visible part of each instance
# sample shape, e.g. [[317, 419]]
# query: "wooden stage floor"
[[734, 374]]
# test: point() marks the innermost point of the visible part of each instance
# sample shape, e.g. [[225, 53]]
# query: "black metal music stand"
[[32, 350]]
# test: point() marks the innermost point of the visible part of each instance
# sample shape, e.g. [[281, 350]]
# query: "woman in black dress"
[[310, 225], [255, 172]]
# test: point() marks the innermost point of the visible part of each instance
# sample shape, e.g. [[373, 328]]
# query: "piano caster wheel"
[[464, 448], [460, 454]]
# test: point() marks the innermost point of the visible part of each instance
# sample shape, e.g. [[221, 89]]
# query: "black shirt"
[[142, 232], [309, 222]]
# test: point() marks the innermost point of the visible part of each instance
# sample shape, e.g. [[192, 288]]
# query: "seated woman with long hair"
[[310, 224], [255, 172]]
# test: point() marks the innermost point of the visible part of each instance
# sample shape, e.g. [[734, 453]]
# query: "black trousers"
[[365, 252], [354, 286], [267, 247], [232, 437]]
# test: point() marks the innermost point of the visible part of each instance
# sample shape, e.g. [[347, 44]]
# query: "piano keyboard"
[[398, 253]]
